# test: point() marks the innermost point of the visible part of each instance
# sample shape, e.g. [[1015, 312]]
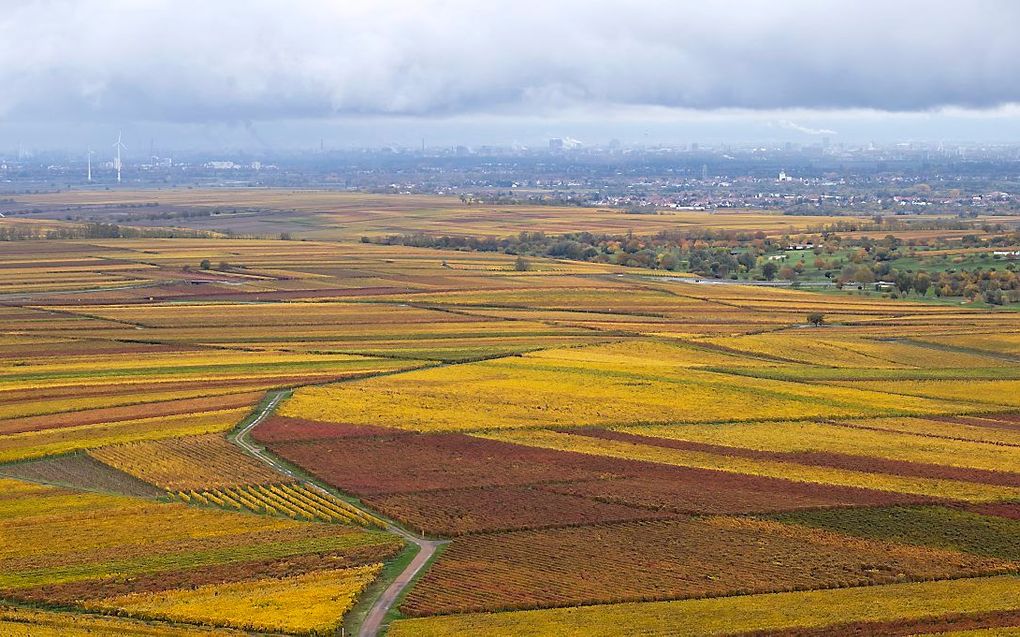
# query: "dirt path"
[[373, 621]]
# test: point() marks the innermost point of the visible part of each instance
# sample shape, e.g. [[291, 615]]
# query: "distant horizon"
[[966, 129]]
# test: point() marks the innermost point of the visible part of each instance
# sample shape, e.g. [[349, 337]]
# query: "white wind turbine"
[[91, 153], [116, 161]]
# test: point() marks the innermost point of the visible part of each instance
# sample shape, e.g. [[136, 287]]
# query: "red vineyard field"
[[669, 559]]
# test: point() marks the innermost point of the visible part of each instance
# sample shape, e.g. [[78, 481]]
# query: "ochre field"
[[319, 214], [607, 452]]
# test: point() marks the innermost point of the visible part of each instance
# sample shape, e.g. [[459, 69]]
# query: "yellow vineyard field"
[[195, 462], [949, 489], [305, 603], [803, 436], [35, 444], [21, 622], [734, 615], [543, 390]]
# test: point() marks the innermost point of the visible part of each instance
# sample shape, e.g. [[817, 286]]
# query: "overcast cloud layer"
[[238, 60]]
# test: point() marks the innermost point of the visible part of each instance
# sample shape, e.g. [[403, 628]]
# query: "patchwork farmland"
[[264, 445]]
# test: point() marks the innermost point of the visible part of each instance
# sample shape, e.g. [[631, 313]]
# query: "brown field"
[[79, 472], [699, 491], [992, 624], [277, 429], [403, 463], [664, 560], [486, 509]]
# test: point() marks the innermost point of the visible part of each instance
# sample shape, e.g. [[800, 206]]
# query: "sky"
[[263, 74]]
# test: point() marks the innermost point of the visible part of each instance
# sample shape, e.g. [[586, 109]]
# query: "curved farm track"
[[376, 615]]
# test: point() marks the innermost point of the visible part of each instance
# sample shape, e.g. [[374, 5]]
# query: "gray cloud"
[[244, 60]]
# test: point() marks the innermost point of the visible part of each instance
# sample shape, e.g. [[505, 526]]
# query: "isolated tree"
[[748, 260], [863, 274], [922, 281], [816, 318], [205, 264], [522, 264], [904, 282], [669, 261]]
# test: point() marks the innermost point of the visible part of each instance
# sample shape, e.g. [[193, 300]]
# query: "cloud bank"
[[193, 61]]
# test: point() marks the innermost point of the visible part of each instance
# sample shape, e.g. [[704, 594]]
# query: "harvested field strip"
[[813, 374], [1004, 420], [947, 489], [80, 471], [196, 462], [35, 444], [257, 568], [701, 491], [1010, 510], [113, 415], [113, 387], [941, 527], [459, 511], [70, 404], [665, 356], [733, 615], [418, 462], [998, 343], [183, 363], [309, 603], [283, 429], [292, 500], [802, 441], [669, 559], [354, 315], [986, 429], [165, 377], [23, 622], [993, 624], [850, 352], [1004, 394]]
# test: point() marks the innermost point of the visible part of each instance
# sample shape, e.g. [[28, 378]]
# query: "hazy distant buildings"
[[221, 165], [564, 143]]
